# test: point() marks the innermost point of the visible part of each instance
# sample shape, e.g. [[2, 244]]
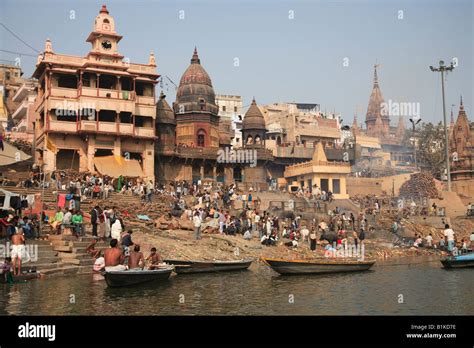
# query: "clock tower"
[[104, 39]]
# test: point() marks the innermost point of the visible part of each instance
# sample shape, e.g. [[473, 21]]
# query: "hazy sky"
[[280, 58]]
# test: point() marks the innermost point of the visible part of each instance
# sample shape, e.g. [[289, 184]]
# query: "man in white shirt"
[[429, 240], [197, 225], [449, 235]]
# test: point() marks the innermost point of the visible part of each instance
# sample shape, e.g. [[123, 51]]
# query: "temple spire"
[[195, 58], [376, 79]]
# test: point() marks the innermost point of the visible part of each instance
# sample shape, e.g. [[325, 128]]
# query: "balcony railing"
[[126, 128], [63, 92], [63, 126], [144, 132]]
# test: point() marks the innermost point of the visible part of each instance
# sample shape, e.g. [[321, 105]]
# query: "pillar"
[[117, 147], [90, 154], [118, 87]]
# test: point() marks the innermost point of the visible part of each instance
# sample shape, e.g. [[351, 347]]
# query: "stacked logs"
[[420, 185]]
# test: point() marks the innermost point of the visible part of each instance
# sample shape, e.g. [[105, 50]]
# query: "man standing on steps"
[[95, 220], [197, 225], [18, 249]]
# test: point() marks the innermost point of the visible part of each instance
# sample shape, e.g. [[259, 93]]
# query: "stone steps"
[[47, 253], [46, 260], [63, 248], [81, 262], [67, 269], [69, 256], [83, 250]]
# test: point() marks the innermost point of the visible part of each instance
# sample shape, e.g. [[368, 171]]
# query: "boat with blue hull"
[[459, 261]]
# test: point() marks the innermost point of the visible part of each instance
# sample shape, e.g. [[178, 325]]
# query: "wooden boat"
[[317, 266], [459, 261], [184, 266], [133, 277]]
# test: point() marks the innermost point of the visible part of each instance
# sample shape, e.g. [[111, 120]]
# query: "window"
[[336, 186], [223, 108], [67, 81], [201, 138], [235, 108]]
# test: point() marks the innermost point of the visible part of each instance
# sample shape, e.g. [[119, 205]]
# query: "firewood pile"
[[419, 185]]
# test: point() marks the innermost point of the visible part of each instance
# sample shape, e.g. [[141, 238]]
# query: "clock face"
[[106, 45]]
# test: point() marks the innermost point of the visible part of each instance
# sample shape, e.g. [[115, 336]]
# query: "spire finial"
[[461, 105], [253, 101], [195, 58], [376, 79], [104, 9]]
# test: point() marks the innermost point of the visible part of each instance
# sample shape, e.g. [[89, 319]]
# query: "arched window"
[[278, 140], [257, 139], [249, 140], [201, 138]]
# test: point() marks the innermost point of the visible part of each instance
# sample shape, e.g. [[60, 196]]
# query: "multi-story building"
[[294, 130], [3, 110], [10, 81], [96, 113], [230, 112], [24, 115]]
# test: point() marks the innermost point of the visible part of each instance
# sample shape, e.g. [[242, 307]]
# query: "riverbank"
[[180, 244]]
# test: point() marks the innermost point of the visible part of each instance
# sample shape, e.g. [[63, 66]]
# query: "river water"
[[422, 286]]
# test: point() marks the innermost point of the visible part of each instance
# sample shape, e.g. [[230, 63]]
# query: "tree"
[[430, 148]]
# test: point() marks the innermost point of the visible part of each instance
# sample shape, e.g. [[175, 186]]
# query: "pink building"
[[96, 113]]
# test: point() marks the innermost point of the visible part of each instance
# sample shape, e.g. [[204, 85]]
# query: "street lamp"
[[414, 121], [442, 69]]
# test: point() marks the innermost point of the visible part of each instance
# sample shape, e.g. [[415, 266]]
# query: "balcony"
[[145, 100], [126, 128], [63, 92], [107, 127], [62, 126], [108, 93], [293, 152], [144, 132], [197, 152], [315, 167]]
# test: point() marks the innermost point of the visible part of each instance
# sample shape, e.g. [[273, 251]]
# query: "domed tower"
[[197, 122], [253, 127], [165, 125]]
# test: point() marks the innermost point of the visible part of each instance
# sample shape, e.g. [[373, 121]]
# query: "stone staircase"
[[46, 257], [72, 251]]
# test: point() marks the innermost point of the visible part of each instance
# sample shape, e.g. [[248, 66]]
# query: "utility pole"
[[414, 121], [442, 69]]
